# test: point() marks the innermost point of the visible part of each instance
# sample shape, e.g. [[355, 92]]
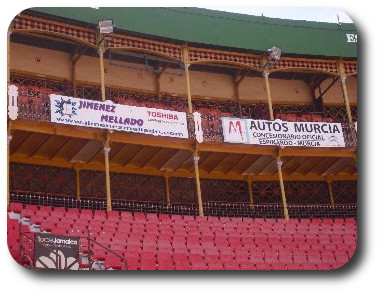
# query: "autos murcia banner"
[[108, 115], [283, 133]]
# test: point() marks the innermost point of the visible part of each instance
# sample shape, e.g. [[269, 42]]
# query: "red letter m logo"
[[236, 127]]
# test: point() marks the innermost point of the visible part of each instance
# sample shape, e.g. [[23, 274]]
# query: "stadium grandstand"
[[180, 139]]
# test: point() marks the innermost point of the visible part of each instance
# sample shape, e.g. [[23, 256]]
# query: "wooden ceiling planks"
[[258, 165], [229, 161], [63, 150], [176, 160], [159, 159], [208, 160]]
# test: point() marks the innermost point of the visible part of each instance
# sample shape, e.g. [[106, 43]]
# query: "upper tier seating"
[[174, 242], [35, 96]]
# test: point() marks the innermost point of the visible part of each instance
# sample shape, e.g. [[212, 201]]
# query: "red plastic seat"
[[328, 257], [46, 209], [31, 207], [263, 267], [148, 264], [126, 216], [231, 266], [248, 266], [294, 267], [36, 219], [309, 267], [271, 256], [314, 257], [257, 256], [285, 256], [215, 266], [349, 239], [278, 266], [59, 231], [299, 257], [15, 207], [26, 213], [182, 265], [199, 266], [341, 256], [211, 258]]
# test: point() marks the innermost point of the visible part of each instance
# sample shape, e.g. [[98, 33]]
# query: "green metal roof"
[[219, 28]]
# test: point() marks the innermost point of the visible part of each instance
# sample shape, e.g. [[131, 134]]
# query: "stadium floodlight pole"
[[186, 62], [344, 89], [102, 81], [283, 196], [198, 183], [104, 27], [273, 55], [269, 96]]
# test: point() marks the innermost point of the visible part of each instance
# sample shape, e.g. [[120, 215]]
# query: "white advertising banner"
[[108, 115], [283, 133]]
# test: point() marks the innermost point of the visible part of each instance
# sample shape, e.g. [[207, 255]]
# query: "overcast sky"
[[323, 14]]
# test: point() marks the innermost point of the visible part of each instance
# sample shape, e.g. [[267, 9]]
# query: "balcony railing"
[[34, 103], [215, 209]]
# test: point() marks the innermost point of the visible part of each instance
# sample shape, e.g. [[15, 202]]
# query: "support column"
[[269, 96], [73, 79], [186, 62], [249, 182], [167, 190], [9, 57], [345, 96], [9, 139], [75, 56], [342, 74], [283, 196], [198, 183], [106, 151], [158, 85], [237, 80], [331, 193], [77, 181], [102, 82]]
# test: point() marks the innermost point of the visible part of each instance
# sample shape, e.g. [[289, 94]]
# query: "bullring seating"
[[174, 242]]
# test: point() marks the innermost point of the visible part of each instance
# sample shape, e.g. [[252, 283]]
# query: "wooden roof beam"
[[185, 174], [176, 143]]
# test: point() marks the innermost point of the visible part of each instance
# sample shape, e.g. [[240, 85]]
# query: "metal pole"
[[249, 182], [167, 190], [345, 96], [9, 138], [198, 184], [269, 97], [9, 56], [73, 78], [106, 151], [77, 181], [102, 83], [283, 196], [342, 74], [186, 62], [331, 193], [158, 85]]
